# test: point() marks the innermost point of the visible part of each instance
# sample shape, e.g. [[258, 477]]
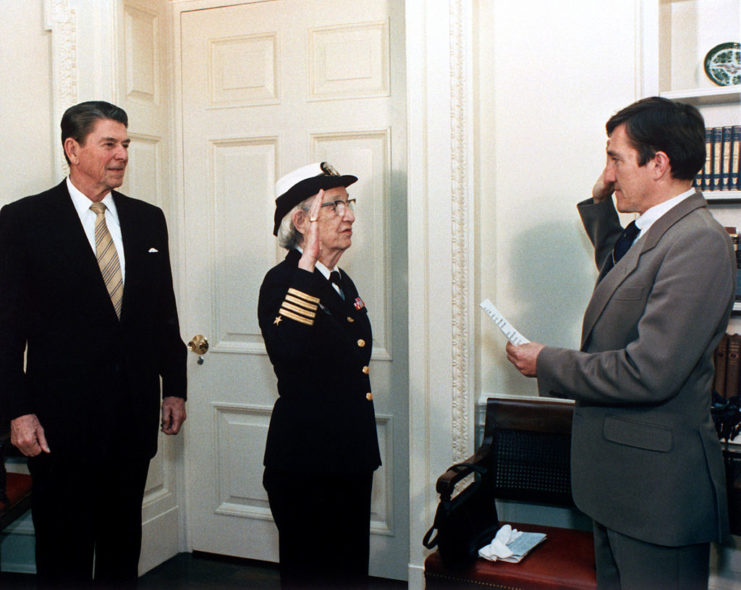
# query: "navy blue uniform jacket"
[[320, 347]]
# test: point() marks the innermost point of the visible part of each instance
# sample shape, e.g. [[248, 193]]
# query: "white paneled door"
[[267, 87]]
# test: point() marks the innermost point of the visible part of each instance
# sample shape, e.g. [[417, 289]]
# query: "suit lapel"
[[63, 217], [606, 287], [64, 223], [69, 249]]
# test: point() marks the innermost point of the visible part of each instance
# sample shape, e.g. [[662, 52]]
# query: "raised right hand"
[[602, 190], [311, 246]]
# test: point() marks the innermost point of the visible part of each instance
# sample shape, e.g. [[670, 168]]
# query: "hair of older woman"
[[288, 236]]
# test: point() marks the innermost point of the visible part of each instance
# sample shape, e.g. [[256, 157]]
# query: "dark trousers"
[[323, 523], [624, 563], [87, 517]]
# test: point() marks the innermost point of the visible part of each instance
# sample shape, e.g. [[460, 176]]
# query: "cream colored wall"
[[26, 163], [550, 74], [28, 138]]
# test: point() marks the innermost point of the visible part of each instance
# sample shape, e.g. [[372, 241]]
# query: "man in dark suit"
[[322, 447], [646, 461], [86, 295]]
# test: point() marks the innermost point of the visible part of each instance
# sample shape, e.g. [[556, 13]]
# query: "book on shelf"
[[727, 181], [734, 180], [715, 183], [733, 366], [734, 241], [719, 381], [721, 169], [727, 361]]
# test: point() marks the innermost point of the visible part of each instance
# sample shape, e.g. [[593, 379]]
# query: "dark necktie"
[[625, 241], [622, 245], [334, 277]]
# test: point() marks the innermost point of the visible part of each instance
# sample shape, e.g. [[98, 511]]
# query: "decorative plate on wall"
[[723, 64]]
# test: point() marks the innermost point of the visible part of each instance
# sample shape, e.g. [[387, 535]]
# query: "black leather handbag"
[[465, 522]]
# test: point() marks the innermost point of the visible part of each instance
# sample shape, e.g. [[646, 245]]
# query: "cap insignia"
[[328, 169]]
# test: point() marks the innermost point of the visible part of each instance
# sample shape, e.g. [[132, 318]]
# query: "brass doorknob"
[[199, 345]]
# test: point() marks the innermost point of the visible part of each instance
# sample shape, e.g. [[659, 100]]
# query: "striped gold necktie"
[[107, 256]]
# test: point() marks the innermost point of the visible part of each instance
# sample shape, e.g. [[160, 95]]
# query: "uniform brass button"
[[369, 397], [350, 320], [361, 343], [366, 370]]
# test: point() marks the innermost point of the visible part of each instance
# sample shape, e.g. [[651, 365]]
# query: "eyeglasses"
[[339, 207]]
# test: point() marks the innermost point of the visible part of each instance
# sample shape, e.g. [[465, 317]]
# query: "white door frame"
[[442, 293]]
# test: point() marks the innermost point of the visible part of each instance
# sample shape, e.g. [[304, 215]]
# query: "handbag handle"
[[446, 485], [461, 470], [429, 542]]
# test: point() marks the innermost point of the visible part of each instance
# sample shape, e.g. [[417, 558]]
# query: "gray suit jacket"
[[646, 460]]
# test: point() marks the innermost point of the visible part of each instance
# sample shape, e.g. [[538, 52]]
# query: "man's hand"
[[524, 357], [27, 435], [173, 414], [602, 190], [311, 246]]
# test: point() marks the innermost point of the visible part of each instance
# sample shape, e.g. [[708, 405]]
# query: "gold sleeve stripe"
[[293, 316], [301, 303], [305, 296], [304, 312]]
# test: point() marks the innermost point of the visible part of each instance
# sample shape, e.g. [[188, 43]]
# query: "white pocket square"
[[151, 250]]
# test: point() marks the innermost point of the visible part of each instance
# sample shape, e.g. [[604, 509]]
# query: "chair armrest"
[[455, 473]]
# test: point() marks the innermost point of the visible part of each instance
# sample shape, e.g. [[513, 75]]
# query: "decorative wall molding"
[[61, 21], [440, 242], [461, 228]]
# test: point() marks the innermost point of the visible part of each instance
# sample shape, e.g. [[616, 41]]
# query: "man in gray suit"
[[646, 461]]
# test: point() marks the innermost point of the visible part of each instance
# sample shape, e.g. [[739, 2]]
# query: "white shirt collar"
[[319, 266], [650, 216], [323, 269], [82, 203]]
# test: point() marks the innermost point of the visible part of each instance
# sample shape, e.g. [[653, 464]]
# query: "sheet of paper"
[[512, 335]]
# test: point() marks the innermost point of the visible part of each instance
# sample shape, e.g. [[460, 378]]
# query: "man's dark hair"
[[657, 124], [78, 121]]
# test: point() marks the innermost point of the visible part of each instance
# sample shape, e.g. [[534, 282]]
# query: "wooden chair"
[[526, 453]]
